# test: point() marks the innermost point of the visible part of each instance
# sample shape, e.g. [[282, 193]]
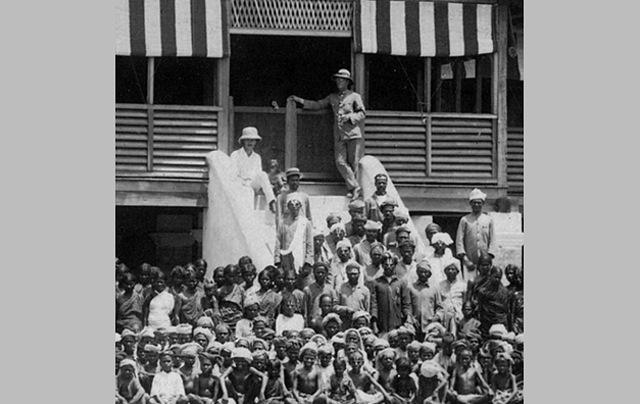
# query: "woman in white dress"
[[161, 306]]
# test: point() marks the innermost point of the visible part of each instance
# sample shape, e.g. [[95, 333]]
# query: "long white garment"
[[160, 308], [249, 170], [297, 247]]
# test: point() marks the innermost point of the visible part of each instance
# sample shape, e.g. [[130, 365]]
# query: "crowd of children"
[[368, 317]]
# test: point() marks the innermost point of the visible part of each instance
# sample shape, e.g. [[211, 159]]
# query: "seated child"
[[386, 371], [275, 391], [306, 379], [467, 384], [325, 357], [167, 387], [187, 371], [413, 352], [432, 383], [244, 326], [504, 382], [128, 388], [206, 385], [340, 388], [404, 385], [468, 322], [151, 353], [293, 353], [365, 388], [242, 383]]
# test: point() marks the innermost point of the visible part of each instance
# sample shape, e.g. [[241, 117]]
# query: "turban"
[[190, 350], [357, 204], [152, 348], [388, 201], [336, 227], [264, 343], [498, 330], [229, 346], [204, 331], [429, 345], [118, 338], [332, 217], [372, 225], [331, 317], [343, 244], [319, 339], [362, 330], [461, 343], [502, 356], [268, 332], [392, 334], [453, 263], [380, 343], [402, 330], [260, 319], [174, 347], [128, 333], [250, 301], [259, 354], [433, 227], [241, 353], [376, 245], [407, 243], [326, 349], [414, 345], [477, 194], [401, 213], [387, 352], [309, 346], [435, 328], [317, 232], [380, 175], [294, 196], [519, 339], [403, 228], [127, 362], [337, 339], [205, 321], [473, 335], [171, 330], [442, 237], [320, 264], [429, 369], [424, 264], [208, 356]]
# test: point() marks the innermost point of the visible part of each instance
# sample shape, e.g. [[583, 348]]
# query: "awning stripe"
[[172, 28], [168, 24], [412, 22], [136, 28], [397, 28], [123, 41], [421, 28], [152, 27], [383, 28], [427, 31], [441, 14], [470, 29]]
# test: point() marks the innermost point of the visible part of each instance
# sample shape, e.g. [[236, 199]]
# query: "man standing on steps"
[[294, 239], [372, 207], [249, 165], [475, 235], [348, 129], [293, 182]]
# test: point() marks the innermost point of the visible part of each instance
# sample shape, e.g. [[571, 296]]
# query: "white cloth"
[[296, 247], [438, 264], [160, 308], [167, 386], [284, 323]]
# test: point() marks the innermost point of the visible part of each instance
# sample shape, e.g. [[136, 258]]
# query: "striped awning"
[[421, 28], [172, 28]]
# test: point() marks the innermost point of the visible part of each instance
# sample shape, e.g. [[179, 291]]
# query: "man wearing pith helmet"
[[249, 165], [348, 129], [475, 234]]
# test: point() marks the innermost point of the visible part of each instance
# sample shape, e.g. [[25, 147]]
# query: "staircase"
[[233, 229]]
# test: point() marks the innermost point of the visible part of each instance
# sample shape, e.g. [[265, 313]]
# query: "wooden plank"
[[193, 124], [452, 168], [500, 79], [470, 174], [131, 152], [396, 129], [397, 144], [184, 146], [402, 159], [204, 108], [130, 145], [428, 145], [160, 174], [474, 131], [130, 160], [458, 152], [291, 135], [461, 145], [389, 151], [455, 115], [184, 138], [460, 123], [426, 95], [418, 168], [374, 121], [462, 160], [132, 137], [212, 116], [260, 110], [406, 173], [183, 161], [123, 167], [134, 122], [132, 129], [375, 137], [223, 71], [142, 107], [181, 154], [397, 114], [186, 131]]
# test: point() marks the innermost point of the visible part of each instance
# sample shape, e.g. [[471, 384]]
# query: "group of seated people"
[[389, 327]]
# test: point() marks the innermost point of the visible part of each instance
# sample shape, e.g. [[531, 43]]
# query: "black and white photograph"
[[319, 202]]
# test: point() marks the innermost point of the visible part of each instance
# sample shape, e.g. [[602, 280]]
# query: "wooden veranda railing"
[[164, 140], [434, 147], [515, 160]]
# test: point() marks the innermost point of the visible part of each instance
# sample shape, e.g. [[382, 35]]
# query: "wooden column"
[[225, 135], [478, 87], [427, 85], [360, 77], [500, 89], [458, 73], [150, 73], [290, 135]]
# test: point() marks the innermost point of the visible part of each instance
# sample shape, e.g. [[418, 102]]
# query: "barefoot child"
[[293, 353], [432, 382], [340, 388], [128, 305], [504, 382], [365, 389], [167, 387], [241, 382], [206, 385], [404, 386], [307, 379], [187, 371], [467, 384], [128, 388], [386, 371], [275, 391]]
